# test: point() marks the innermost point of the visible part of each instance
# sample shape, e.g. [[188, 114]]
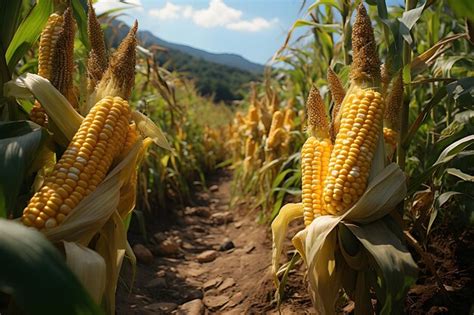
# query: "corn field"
[[342, 182]]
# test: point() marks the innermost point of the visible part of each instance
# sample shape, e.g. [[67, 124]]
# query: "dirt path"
[[216, 261]]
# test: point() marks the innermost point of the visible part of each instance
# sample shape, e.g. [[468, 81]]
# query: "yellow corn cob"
[[289, 117], [338, 93], [276, 127], [250, 148], [315, 157], [83, 165], [130, 139], [390, 136], [361, 123], [355, 144], [97, 62], [48, 39]]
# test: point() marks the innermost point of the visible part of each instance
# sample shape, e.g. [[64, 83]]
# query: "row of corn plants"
[[392, 161], [76, 147]]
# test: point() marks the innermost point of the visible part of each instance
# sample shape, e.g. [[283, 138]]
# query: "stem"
[[401, 154]]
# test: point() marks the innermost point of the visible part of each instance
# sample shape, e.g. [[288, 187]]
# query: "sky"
[[254, 29]]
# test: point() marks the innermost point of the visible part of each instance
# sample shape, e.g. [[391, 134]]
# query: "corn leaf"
[[288, 213], [398, 271], [33, 271], [28, 32], [20, 142]]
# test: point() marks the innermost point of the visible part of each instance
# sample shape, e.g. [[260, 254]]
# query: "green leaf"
[[394, 263], [408, 20], [462, 91], [460, 174], [9, 16], [33, 272], [28, 32], [452, 150], [462, 8], [331, 3], [20, 142], [79, 10]]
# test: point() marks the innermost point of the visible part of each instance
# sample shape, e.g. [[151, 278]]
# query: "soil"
[[219, 258]]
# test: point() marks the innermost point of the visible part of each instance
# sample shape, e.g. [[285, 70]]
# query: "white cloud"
[[254, 25], [102, 6], [168, 12], [216, 14]]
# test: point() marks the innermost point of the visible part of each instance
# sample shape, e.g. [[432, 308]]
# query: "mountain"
[[222, 76], [231, 60]]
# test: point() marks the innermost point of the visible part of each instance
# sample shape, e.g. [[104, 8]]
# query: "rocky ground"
[[217, 260]]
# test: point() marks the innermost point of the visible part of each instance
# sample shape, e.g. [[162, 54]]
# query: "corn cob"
[[288, 121], [361, 123], [48, 39], [97, 62], [315, 157], [83, 165], [338, 93], [276, 131]]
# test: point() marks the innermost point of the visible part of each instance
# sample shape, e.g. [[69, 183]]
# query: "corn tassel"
[[338, 93], [63, 66], [119, 78], [392, 114], [97, 62]]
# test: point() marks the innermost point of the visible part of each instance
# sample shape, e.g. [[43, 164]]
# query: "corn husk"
[[57, 106], [89, 268]]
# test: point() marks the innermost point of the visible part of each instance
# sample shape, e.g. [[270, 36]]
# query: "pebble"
[[169, 246], [229, 282], [161, 307], [226, 245], [236, 299], [207, 256], [194, 307], [143, 254], [212, 283], [214, 302], [222, 217]]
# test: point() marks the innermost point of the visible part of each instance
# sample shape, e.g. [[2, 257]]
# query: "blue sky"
[[254, 29]]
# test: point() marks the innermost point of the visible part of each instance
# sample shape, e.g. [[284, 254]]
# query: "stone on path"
[[229, 282], [161, 307], [207, 256], [214, 302], [212, 283], [143, 254], [194, 307]]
